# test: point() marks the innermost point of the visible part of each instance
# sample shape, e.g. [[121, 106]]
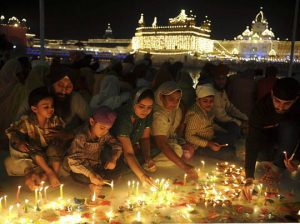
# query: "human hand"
[[146, 180], [247, 189], [191, 172], [97, 179], [58, 133], [110, 165], [214, 146], [291, 165], [188, 151]]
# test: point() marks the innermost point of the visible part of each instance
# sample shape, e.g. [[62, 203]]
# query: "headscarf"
[[58, 72], [104, 115], [205, 90], [166, 88], [286, 89]]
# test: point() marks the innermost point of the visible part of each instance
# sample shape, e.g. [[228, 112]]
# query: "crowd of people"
[[90, 122]]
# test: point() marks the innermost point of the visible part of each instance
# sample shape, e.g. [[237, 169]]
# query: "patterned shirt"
[[27, 129], [84, 154]]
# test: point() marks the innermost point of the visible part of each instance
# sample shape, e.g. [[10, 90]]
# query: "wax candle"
[[112, 185], [184, 179], [26, 206], [18, 193], [40, 194], [18, 209], [137, 188], [35, 195], [203, 163], [5, 201], [129, 189], [138, 216], [45, 193], [1, 204], [94, 197], [10, 210], [61, 191]]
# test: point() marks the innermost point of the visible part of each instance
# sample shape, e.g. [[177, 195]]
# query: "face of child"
[[143, 108], [98, 129], [171, 101], [206, 103], [44, 108]]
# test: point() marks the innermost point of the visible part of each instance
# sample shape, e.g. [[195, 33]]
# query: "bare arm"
[[145, 144], [130, 156], [162, 143]]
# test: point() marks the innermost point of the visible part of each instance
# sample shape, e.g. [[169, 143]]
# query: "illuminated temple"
[[181, 37]]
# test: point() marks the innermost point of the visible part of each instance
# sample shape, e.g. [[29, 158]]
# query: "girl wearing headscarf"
[[132, 128], [109, 94], [166, 120]]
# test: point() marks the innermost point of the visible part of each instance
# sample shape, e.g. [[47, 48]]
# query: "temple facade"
[[181, 35]]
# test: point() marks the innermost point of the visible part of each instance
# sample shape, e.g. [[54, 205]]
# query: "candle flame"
[[94, 197], [138, 216]]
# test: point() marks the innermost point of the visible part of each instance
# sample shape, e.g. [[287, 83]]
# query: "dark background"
[[83, 19]]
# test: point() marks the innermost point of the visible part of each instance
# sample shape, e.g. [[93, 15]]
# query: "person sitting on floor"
[[273, 133], [167, 118], [133, 128], [84, 159], [201, 130], [30, 146]]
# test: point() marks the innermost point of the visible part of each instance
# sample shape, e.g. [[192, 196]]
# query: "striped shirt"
[[84, 153], [199, 126]]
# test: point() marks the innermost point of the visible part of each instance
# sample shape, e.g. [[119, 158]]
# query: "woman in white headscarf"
[[109, 94]]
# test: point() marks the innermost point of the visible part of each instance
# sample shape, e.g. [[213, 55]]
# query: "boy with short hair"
[[84, 155], [29, 139]]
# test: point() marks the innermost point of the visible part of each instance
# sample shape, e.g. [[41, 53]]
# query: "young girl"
[[132, 128]]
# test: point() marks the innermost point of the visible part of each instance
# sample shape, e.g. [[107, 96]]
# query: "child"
[[84, 156], [29, 142], [201, 131]]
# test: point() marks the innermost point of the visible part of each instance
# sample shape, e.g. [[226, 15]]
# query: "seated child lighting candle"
[[28, 139], [84, 155]]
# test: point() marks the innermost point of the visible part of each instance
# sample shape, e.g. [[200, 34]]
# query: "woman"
[[132, 128]]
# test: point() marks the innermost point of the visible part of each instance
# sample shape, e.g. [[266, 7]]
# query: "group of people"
[[91, 121]]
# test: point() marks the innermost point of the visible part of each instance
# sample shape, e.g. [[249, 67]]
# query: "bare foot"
[[95, 188], [54, 181]]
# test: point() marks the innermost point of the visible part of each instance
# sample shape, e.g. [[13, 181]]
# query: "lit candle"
[[18, 193], [129, 189], [203, 163], [10, 210], [138, 216], [26, 206], [137, 187], [184, 179], [109, 215], [94, 197], [61, 191], [112, 185], [38, 206], [35, 195], [1, 204], [18, 209], [285, 155], [198, 172], [5, 201], [40, 194], [45, 193]]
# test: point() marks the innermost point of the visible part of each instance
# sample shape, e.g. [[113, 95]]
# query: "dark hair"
[[271, 71], [286, 89], [147, 93], [37, 95]]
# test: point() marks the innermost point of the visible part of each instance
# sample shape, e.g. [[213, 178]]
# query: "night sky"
[[83, 19]]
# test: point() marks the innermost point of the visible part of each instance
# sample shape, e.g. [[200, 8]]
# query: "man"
[[166, 120], [274, 123], [227, 115]]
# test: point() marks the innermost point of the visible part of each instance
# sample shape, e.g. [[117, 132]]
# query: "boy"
[[28, 140], [84, 156]]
